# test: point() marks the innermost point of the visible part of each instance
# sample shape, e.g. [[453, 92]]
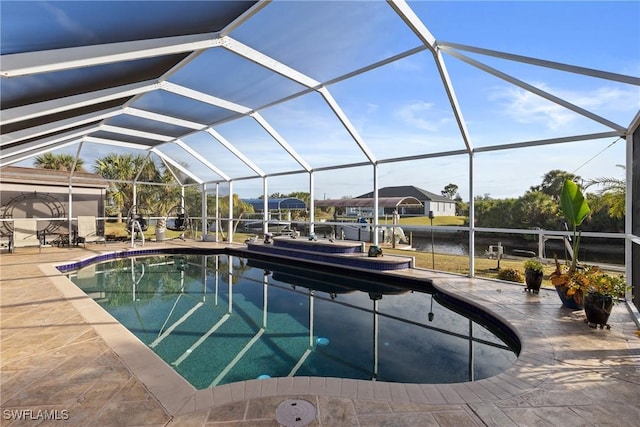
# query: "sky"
[[402, 110]]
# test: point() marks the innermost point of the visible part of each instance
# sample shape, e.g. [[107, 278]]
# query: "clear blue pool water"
[[218, 319]]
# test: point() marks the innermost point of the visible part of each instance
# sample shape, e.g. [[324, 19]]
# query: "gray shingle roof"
[[408, 191]]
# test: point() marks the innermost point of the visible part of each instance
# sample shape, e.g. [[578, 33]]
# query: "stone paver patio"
[[63, 357]]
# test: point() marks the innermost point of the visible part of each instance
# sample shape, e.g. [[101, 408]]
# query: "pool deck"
[[61, 352]]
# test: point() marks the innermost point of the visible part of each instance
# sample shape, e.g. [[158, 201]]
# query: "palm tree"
[[240, 208], [124, 168], [61, 162], [553, 181], [160, 199], [612, 193]]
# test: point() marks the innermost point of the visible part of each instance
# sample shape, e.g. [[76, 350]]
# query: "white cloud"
[[372, 108], [528, 108], [420, 115], [70, 25], [613, 98]]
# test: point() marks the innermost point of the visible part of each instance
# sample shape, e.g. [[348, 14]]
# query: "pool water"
[[218, 319]]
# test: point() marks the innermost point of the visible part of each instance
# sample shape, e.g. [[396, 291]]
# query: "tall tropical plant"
[[575, 209], [572, 284]]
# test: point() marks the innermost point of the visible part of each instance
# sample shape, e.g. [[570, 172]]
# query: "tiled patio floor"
[[60, 356]]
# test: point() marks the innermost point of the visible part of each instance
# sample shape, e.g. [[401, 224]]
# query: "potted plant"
[[161, 228], [575, 209], [584, 286], [533, 275], [602, 290]]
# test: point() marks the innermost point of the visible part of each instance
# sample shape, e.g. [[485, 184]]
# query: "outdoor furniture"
[[177, 219], [137, 221], [63, 239], [87, 231], [25, 233], [6, 240]]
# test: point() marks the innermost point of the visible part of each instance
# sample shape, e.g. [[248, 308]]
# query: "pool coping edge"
[[179, 397]]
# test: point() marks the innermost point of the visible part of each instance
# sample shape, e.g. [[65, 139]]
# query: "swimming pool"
[[218, 319]]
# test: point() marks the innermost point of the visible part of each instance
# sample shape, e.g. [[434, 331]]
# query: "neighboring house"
[[44, 193], [439, 205]]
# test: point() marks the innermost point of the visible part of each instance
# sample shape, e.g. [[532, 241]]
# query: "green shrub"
[[510, 275]]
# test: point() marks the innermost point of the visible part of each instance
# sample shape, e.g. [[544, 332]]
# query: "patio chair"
[[25, 234], [87, 231]]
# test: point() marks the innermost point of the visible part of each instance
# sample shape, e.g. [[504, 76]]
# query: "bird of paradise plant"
[[575, 208]]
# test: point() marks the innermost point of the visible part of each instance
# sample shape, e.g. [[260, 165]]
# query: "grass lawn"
[[459, 264]]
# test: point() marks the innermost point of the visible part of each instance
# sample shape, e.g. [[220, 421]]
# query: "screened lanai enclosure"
[[330, 98]]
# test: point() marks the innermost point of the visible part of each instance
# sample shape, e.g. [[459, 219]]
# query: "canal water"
[[610, 252]]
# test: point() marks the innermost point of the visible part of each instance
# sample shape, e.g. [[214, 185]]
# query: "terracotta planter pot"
[[598, 308], [533, 279]]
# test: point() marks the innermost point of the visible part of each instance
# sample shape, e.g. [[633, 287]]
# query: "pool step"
[[341, 253]]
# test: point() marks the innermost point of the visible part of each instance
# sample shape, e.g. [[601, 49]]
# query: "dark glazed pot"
[[533, 279], [568, 301], [598, 308]]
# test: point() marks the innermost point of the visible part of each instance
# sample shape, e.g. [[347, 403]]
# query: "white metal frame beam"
[[30, 111], [414, 23], [48, 128], [179, 122], [44, 142], [203, 97], [136, 133], [171, 171], [6, 160], [280, 140], [202, 160], [331, 102], [298, 77], [244, 159], [453, 100], [539, 92], [630, 219], [241, 109], [268, 62], [446, 46], [420, 30], [539, 142], [253, 10], [136, 112], [176, 165], [115, 143], [47, 61]]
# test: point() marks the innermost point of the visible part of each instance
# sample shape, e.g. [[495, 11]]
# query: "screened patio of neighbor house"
[[255, 98]]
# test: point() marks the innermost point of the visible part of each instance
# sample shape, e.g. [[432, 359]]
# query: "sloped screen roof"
[[239, 90]]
